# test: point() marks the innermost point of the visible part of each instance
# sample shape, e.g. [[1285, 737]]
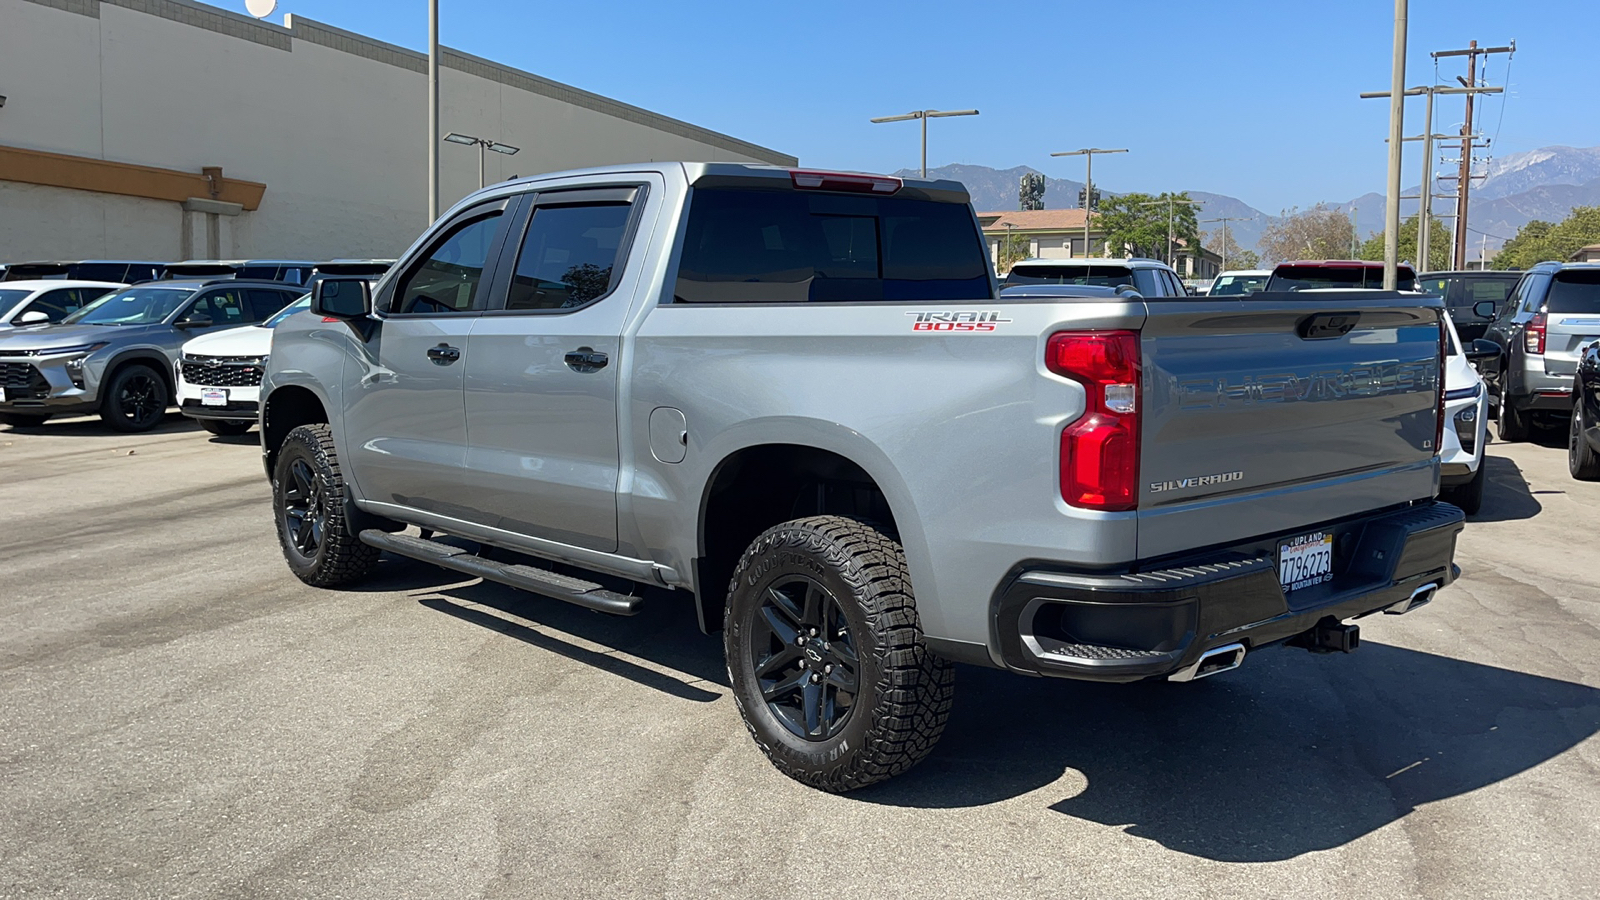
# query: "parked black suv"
[[1463, 291], [1553, 311]]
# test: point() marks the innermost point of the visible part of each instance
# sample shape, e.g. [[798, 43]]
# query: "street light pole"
[[1171, 202], [483, 144], [1225, 220], [1088, 183], [925, 115], [433, 111]]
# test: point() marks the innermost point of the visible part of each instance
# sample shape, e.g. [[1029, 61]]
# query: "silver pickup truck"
[[794, 399]]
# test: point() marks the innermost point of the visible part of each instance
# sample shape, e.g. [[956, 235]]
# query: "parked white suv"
[[47, 301], [219, 374], [1150, 277], [1466, 416]]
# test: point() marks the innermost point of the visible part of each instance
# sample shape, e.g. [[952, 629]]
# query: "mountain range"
[[1513, 190]]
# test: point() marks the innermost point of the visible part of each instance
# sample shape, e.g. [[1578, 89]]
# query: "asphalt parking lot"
[[180, 717]]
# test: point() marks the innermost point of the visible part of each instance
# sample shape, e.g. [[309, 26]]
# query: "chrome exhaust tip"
[[1422, 596], [1217, 659]]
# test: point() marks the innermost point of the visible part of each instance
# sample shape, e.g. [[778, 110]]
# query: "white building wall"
[[334, 124]]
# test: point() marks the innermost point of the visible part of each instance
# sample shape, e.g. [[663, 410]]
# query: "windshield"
[[301, 305], [1233, 285], [1102, 276], [137, 306], [1305, 278], [7, 298], [1467, 291], [1574, 292]]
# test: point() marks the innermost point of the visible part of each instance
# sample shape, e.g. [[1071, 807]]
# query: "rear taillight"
[[1533, 337], [1100, 450], [845, 181]]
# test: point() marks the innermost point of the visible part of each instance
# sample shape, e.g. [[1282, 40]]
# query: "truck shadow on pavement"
[[663, 636], [1507, 496], [1286, 757]]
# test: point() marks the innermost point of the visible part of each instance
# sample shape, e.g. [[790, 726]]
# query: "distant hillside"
[[1517, 188]]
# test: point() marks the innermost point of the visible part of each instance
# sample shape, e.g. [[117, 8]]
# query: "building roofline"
[[232, 24]]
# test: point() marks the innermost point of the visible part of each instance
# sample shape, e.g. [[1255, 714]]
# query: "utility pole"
[[1355, 229], [1088, 183], [1397, 111], [1425, 212], [1464, 182], [1225, 220], [924, 115]]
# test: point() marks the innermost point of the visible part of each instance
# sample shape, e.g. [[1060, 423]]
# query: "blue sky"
[[1252, 99]]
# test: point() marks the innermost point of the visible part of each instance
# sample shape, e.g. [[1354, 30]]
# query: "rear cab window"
[[1066, 273], [1305, 278], [751, 245]]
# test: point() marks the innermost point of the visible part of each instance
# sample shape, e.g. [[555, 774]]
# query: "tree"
[[1137, 223], [1538, 241], [1233, 255], [1320, 232], [1010, 249], [1438, 246]]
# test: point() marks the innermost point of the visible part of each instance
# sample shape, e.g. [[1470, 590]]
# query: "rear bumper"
[[1129, 627]]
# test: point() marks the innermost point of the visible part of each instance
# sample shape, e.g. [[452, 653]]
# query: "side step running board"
[[586, 594]]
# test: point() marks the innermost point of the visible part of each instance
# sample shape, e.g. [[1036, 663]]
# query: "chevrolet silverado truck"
[[795, 400]]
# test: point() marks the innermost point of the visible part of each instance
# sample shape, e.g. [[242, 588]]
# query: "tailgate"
[[1275, 412], [1572, 311]]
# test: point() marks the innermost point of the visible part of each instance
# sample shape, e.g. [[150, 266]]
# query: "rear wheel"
[[826, 657], [1582, 461], [308, 502], [1512, 423], [135, 399], [225, 428], [22, 420]]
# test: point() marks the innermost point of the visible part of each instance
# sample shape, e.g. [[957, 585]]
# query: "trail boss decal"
[[984, 320]]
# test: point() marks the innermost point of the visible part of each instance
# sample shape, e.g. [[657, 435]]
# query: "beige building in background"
[[165, 129]]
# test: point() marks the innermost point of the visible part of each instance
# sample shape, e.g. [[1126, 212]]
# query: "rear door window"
[[224, 308], [265, 302], [569, 256], [797, 246]]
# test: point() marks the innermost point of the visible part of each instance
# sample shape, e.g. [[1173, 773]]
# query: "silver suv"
[[1553, 311], [115, 356]]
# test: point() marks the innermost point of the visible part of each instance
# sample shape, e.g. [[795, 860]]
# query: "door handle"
[[586, 359], [444, 354]]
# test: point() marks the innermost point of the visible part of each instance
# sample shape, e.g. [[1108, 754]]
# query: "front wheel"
[[1582, 462], [826, 656], [135, 399], [308, 502], [1469, 496], [225, 428]]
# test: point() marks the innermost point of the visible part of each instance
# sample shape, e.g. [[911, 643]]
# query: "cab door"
[[542, 370], [404, 412]]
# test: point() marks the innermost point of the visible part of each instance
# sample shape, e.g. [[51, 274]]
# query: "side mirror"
[[1483, 309], [33, 317], [342, 298], [193, 320], [1481, 349]]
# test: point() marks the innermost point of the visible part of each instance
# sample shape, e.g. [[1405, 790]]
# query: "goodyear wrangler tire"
[[308, 503], [826, 657]]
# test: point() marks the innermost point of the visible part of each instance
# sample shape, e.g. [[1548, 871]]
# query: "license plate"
[[214, 397], [1305, 561]]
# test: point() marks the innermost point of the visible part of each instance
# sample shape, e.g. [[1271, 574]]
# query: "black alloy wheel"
[[1582, 462], [1511, 424], [305, 510], [808, 665], [136, 399], [310, 503]]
